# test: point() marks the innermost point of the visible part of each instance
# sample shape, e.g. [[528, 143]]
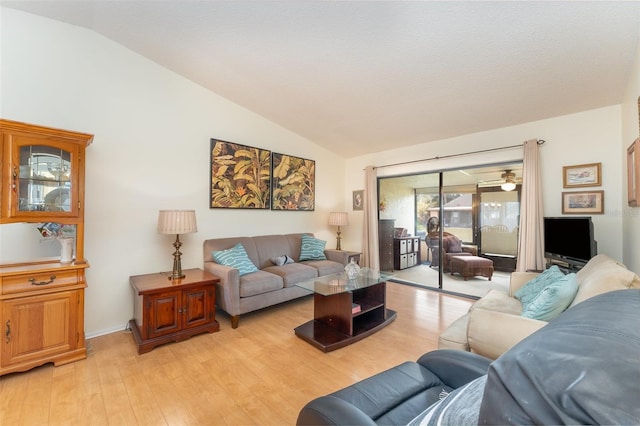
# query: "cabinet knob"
[[7, 333]]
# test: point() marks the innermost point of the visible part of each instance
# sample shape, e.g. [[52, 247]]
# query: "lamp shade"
[[338, 219], [177, 222]]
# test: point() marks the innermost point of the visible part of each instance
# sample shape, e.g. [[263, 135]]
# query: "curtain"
[[530, 244], [370, 256]]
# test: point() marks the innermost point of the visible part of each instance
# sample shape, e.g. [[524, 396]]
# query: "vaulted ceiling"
[[367, 76]]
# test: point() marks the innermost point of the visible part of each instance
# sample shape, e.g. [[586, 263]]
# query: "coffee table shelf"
[[334, 325]]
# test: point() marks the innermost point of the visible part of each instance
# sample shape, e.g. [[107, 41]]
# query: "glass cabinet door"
[[45, 180]]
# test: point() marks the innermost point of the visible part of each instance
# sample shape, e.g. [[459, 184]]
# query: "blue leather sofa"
[[581, 368]]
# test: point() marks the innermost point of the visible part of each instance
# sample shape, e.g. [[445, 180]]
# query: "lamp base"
[[338, 238], [173, 277], [177, 274]]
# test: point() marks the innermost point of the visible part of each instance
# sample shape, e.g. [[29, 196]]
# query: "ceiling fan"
[[507, 181]]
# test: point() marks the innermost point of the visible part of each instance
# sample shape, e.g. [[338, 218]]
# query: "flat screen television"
[[569, 239]]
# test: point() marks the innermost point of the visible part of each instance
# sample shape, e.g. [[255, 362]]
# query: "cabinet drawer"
[[38, 281]]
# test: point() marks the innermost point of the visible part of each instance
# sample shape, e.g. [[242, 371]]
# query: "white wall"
[[399, 204], [587, 137], [150, 152], [630, 131]]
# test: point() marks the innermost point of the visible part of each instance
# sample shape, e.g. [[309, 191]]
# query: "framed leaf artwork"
[[240, 176], [293, 183]]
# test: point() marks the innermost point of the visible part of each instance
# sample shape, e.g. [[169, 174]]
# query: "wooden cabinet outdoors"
[[385, 243], [172, 310], [42, 300]]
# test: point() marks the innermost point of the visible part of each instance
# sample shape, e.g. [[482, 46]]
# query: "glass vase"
[[66, 252], [352, 270]]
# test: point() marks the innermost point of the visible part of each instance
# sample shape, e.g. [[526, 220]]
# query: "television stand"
[[565, 265]]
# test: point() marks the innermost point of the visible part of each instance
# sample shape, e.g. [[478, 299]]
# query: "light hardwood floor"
[[257, 374]]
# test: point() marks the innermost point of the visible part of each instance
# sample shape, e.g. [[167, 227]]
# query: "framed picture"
[[586, 202], [240, 176], [633, 174], [293, 183], [582, 175], [358, 199]]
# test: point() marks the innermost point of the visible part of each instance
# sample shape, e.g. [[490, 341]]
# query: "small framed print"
[[582, 175], [633, 174], [584, 202], [358, 200]]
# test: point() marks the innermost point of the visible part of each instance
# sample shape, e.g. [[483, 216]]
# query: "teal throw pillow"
[[532, 288], [235, 257], [312, 248], [553, 299]]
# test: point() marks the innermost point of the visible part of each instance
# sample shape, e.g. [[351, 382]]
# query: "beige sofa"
[[271, 284], [493, 324]]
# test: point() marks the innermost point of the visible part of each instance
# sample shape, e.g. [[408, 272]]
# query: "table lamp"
[[177, 222], [338, 219]]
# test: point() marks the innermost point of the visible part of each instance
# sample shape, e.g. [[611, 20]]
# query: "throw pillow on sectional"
[[235, 257], [452, 244], [312, 248], [281, 260], [533, 287], [553, 299]]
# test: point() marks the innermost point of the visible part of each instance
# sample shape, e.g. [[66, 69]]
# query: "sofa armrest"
[[455, 368], [470, 249], [492, 333], [337, 256], [228, 288], [329, 410], [518, 279]]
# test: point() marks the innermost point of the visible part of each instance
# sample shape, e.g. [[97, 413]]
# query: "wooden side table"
[[343, 256], [168, 310]]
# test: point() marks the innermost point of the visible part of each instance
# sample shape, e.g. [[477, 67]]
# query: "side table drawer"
[[38, 281]]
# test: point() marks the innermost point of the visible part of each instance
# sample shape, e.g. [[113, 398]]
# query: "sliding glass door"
[[499, 214], [468, 206]]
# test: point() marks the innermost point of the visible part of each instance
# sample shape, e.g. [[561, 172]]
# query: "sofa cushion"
[[235, 257], [293, 273], [270, 246], [453, 244], [498, 300], [325, 267], [460, 407], [553, 299], [258, 283], [312, 248], [455, 336], [397, 395], [531, 289], [218, 244], [602, 274]]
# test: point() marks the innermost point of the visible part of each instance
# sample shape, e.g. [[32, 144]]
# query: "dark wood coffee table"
[[346, 311]]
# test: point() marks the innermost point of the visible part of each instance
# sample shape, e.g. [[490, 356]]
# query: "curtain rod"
[[540, 142]]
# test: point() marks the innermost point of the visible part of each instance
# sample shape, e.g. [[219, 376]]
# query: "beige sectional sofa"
[[271, 284], [493, 324]]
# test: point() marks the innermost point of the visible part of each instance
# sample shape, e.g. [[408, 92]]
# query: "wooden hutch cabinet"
[[42, 300]]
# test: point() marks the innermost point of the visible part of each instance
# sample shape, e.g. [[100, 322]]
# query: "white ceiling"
[[366, 76]]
